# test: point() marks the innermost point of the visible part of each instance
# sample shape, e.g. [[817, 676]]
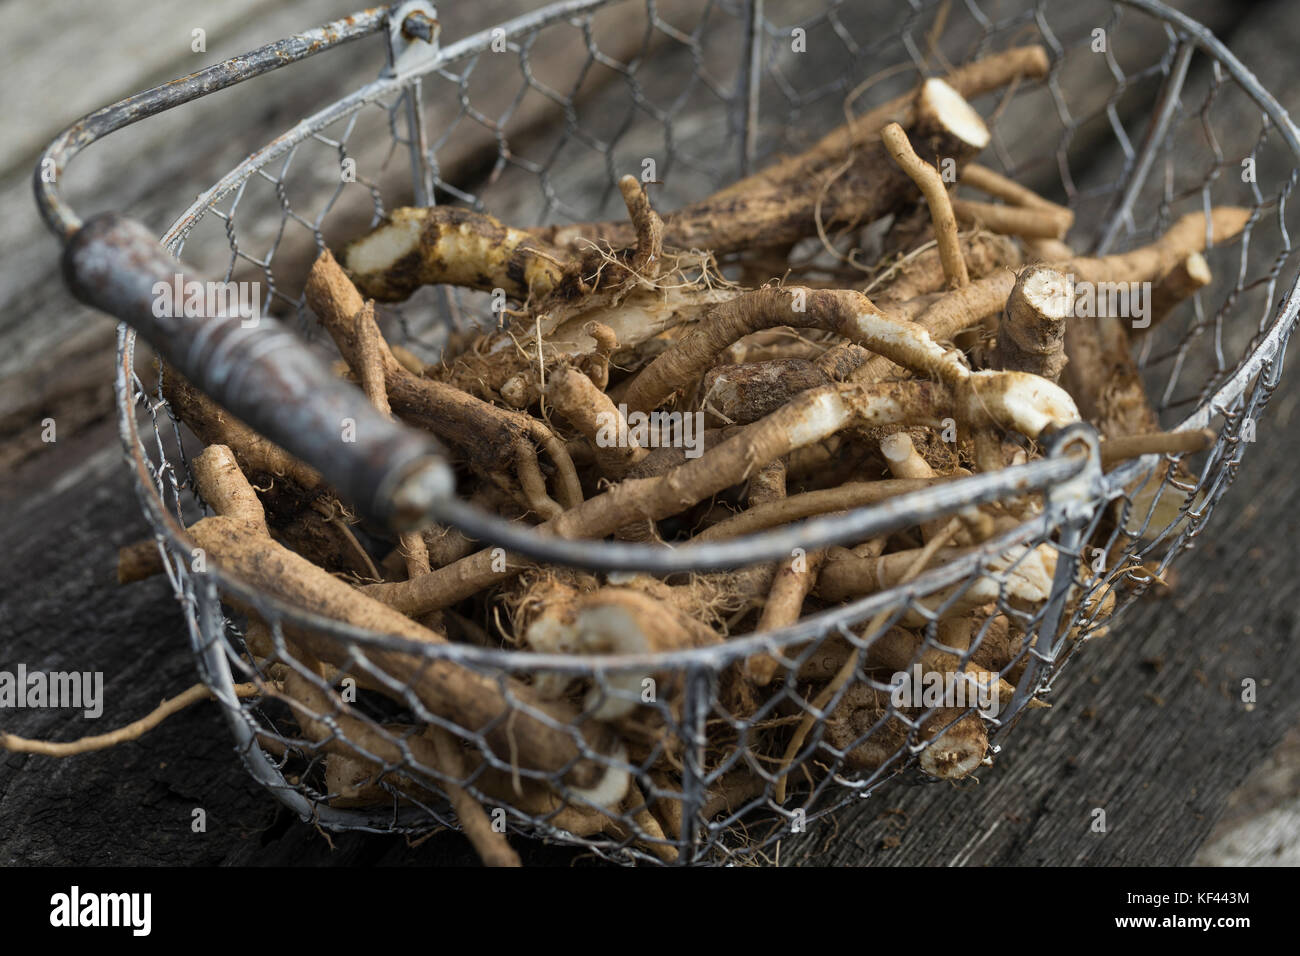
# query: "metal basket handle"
[[262, 374]]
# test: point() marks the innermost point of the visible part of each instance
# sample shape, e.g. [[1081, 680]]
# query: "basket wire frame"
[[1144, 132]]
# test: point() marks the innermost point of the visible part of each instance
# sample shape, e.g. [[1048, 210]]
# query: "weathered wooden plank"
[[1261, 825]]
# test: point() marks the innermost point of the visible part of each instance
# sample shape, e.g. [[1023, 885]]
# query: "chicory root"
[[741, 394], [1124, 447], [970, 81], [967, 307], [357, 743], [793, 582], [1027, 223], [1008, 190], [1176, 286], [493, 439], [935, 192], [777, 206], [213, 425], [905, 462], [1027, 578], [1011, 400], [577, 399], [445, 244], [626, 621], [921, 273], [237, 540], [810, 417], [1031, 336], [812, 503]]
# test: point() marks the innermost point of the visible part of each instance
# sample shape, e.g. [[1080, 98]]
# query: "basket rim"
[[167, 529]]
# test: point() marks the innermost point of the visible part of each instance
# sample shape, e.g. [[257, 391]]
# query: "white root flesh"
[[1031, 337], [619, 621]]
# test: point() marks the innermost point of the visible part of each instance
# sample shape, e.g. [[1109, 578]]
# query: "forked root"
[[965, 308], [812, 416], [493, 439], [1010, 400], [355, 744], [1022, 577], [597, 418], [237, 540], [776, 206]]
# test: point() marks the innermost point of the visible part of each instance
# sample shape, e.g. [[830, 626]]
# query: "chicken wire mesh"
[[534, 121]]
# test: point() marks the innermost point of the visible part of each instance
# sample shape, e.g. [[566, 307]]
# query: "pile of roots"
[[877, 315]]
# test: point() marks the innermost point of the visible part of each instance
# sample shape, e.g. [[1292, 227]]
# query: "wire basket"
[[534, 121]]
